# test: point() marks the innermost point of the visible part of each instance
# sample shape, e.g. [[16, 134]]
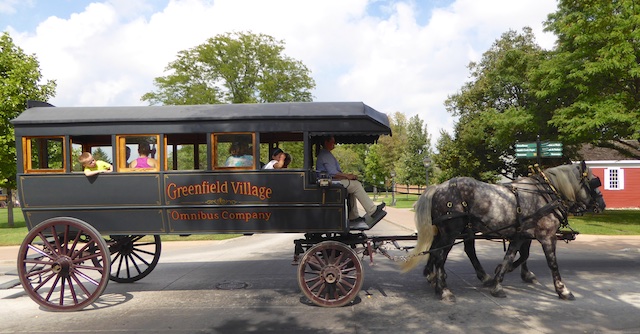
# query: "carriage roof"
[[352, 122]]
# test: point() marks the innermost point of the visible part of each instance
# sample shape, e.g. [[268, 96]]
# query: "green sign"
[[526, 150], [548, 149]]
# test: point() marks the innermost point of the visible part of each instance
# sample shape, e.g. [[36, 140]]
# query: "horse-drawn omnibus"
[[205, 176], [87, 230]]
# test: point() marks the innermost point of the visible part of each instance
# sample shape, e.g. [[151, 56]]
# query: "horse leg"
[[470, 249], [440, 275], [549, 247], [429, 272], [526, 275], [502, 268]]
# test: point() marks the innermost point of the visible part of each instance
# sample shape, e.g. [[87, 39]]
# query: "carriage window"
[[233, 150], [614, 179], [98, 145], [44, 154], [137, 153], [186, 151], [290, 142]]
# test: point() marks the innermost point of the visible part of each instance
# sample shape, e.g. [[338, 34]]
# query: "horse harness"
[[555, 204]]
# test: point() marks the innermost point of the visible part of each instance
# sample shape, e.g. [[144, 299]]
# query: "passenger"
[[93, 166], [240, 155], [128, 155], [327, 163], [143, 161], [287, 160], [277, 160]]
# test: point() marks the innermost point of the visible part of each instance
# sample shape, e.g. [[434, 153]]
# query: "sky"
[[403, 56]]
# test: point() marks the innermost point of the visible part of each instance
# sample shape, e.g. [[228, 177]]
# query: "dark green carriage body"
[[206, 200]]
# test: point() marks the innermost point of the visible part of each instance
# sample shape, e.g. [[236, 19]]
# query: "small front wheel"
[[330, 274], [64, 264], [133, 257]]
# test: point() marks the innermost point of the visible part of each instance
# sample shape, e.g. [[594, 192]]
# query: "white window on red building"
[[613, 178]]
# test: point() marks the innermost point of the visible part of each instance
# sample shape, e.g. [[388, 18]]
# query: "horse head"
[[578, 187], [589, 185]]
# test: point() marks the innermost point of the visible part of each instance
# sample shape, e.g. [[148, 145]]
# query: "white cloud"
[[8, 6], [109, 53]]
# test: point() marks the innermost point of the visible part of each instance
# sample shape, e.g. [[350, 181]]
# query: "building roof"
[[615, 151]]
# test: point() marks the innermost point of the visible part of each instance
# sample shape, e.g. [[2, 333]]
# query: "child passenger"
[[93, 166], [277, 160]]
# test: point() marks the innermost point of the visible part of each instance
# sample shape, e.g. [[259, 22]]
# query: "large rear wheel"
[[330, 274], [64, 264]]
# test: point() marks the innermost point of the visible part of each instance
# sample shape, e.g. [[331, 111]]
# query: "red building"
[[620, 174]]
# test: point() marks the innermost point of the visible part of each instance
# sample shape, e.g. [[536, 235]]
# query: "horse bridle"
[[590, 185]]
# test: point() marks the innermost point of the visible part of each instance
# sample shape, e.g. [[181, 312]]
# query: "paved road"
[[248, 285]]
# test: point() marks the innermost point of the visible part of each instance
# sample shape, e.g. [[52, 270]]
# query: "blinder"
[[592, 186]]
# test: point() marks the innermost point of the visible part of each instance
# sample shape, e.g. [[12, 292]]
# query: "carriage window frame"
[[28, 162], [89, 143], [201, 146], [122, 164], [214, 150]]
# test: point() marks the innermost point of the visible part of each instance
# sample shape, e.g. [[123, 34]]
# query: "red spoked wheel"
[[330, 274], [64, 264]]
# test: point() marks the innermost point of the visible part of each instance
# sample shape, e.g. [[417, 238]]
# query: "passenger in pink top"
[[143, 161]]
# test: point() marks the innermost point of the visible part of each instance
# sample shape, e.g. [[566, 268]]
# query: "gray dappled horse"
[[529, 208]]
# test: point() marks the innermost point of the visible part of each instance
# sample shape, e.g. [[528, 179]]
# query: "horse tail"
[[426, 230]]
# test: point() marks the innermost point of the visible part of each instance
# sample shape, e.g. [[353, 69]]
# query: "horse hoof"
[[567, 296], [530, 278], [498, 293], [448, 297], [488, 281]]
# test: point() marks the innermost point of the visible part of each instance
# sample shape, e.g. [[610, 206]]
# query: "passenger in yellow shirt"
[[93, 166]]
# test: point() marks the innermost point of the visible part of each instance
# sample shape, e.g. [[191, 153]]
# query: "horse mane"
[[561, 179]]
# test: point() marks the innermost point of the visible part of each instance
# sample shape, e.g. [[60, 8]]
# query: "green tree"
[[233, 68], [100, 154], [20, 80], [496, 109], [383, 157], [417, 147], [351, 158], [375, 170], [594, 73]]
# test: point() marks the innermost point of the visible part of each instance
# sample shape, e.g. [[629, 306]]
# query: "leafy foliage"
[[497, 109], [594, 73], [417, 147], [19, 81], [233, 68]]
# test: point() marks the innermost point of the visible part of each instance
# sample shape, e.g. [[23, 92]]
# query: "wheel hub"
[[61, 266], [331, 274]]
